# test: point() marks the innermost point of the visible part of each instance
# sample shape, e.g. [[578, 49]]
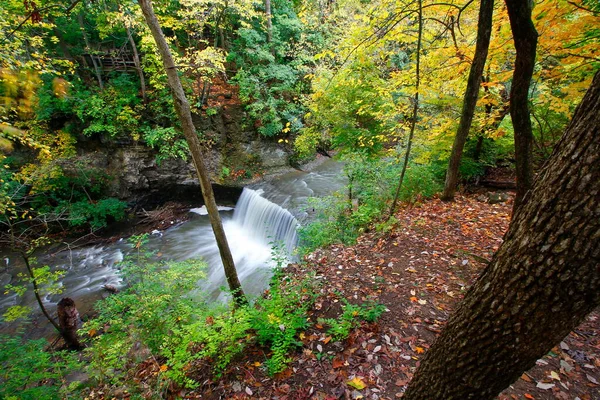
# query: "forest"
[[416, 187]]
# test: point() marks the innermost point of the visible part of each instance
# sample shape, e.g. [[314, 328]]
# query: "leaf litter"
[[419, 271]]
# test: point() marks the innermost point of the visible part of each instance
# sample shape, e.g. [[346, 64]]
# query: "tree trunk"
[[542, 282], [269, 22], [138, 64], [415, 111], [97, 70], [69, 321], [525, 38], [484, 32], [182, 108]]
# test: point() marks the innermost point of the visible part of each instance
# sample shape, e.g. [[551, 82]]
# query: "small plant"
[[351, 316], [279, 317]]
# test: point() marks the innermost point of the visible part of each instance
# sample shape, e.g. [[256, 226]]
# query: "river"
[[267, 212]]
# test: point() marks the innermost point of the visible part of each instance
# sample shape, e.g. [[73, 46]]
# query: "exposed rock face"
[[139, 179]]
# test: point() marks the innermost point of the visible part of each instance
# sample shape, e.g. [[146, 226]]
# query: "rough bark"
[[484, 32], [525, 39], [542, 282], [69, 321], [182, 108]]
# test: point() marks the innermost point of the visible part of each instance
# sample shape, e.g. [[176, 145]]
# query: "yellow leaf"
[[257, 364], [357, 383], [419, 350], [163, 368]]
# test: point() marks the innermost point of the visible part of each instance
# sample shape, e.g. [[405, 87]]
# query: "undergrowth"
[[343, 216]]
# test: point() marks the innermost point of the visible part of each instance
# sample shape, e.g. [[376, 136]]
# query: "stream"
[[267, 212]]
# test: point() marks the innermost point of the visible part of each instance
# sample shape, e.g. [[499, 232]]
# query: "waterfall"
[[266, 221]]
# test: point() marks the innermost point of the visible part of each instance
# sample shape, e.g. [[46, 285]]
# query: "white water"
[[255, 224]]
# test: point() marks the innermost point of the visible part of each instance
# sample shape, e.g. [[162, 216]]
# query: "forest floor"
[[419, 271]]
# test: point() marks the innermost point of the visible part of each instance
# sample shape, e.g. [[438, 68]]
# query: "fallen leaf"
[[414, 299], [545, 386], [554, 376], [249, 391], [337, 363], [357, 383], [327, 339], [591, 379], [530, 397], [419, 350]]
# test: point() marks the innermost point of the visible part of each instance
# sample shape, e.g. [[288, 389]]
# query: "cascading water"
[[256, 223], [266, 221]]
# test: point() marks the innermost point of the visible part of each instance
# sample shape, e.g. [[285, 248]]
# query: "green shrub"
[[28, 371], [156, 315], [140, 318]]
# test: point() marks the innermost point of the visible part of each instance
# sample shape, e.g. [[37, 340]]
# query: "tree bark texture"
[[182, 108], [69, 321], [525, 39], [269, 21], [484, 32], [542, 282]]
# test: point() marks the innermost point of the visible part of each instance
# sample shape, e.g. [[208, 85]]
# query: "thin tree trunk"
[[542, 282], [36, 292], [269, 23], [183, 111], [415, 112], [484, 32], [525, 39], [88, 48], [138, 64]]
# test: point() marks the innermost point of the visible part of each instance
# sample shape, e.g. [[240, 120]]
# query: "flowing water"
[[267, 213]]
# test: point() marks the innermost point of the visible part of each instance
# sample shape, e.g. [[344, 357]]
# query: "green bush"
[[28, 371], [157, 315]]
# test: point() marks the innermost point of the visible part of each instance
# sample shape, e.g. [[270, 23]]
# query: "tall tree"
[[182, 108], [525, 39], [415, 110], [542, 282], [484, 32]]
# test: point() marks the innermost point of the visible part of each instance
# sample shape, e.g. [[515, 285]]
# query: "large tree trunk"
[[525, 38], [484, 32], [182, 108], [542, 282]]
